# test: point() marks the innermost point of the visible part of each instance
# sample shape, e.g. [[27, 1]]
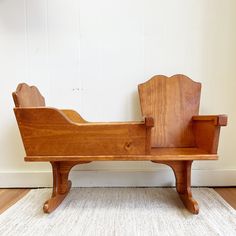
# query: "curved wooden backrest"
[[171, 102], [28, 96]]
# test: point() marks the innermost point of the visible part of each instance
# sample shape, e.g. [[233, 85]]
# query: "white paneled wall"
[[90, 55]]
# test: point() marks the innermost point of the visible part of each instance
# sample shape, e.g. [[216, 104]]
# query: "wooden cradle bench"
[[172, 133]]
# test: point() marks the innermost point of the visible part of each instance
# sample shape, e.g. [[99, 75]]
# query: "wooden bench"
[[172, 133]]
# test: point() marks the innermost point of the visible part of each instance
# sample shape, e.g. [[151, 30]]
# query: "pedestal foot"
[[182, 171], [61, 184]]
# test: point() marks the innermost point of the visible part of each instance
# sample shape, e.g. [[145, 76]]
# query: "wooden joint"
[[218, 120], [149, 121], [222, 120]]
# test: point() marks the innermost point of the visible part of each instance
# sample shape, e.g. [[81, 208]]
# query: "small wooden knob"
[[128, 146]]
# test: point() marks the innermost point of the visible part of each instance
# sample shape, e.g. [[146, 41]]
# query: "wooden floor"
[[229, 194], [9, 197]]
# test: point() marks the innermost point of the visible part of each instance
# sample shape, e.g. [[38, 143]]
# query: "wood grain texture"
[[61, 184], [174, 103], [182, 171], [173, 155], [9, 197], [218, 120], [206, 130], [28, 96], [178, 130], [65, 139], [171, 102], [60, 136], [229, 195]]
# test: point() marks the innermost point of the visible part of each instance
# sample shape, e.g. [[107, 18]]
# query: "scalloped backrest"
[[171, 102], [28, 96]]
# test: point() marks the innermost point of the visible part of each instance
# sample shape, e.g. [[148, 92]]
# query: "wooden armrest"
[[218, 120], [206, 131]]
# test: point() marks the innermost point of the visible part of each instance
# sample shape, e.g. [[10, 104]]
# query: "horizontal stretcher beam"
[[122, 158]]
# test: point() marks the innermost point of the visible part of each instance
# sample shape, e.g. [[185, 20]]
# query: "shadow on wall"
[[13, 145]]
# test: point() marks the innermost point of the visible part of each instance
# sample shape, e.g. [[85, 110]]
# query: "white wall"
[[90, 55]]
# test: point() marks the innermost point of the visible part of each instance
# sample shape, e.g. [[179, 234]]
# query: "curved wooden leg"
[[61, 184], [182, 171]]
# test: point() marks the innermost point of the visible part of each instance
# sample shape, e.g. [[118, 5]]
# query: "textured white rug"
[[120, 211]]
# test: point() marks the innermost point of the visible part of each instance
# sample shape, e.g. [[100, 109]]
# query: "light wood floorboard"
[[9, 197], [229, 194]]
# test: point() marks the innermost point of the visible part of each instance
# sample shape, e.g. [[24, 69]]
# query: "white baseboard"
[[118, 178]]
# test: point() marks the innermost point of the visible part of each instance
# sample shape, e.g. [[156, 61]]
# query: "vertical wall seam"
[[81, 84], [27, 64], [47, 46]]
